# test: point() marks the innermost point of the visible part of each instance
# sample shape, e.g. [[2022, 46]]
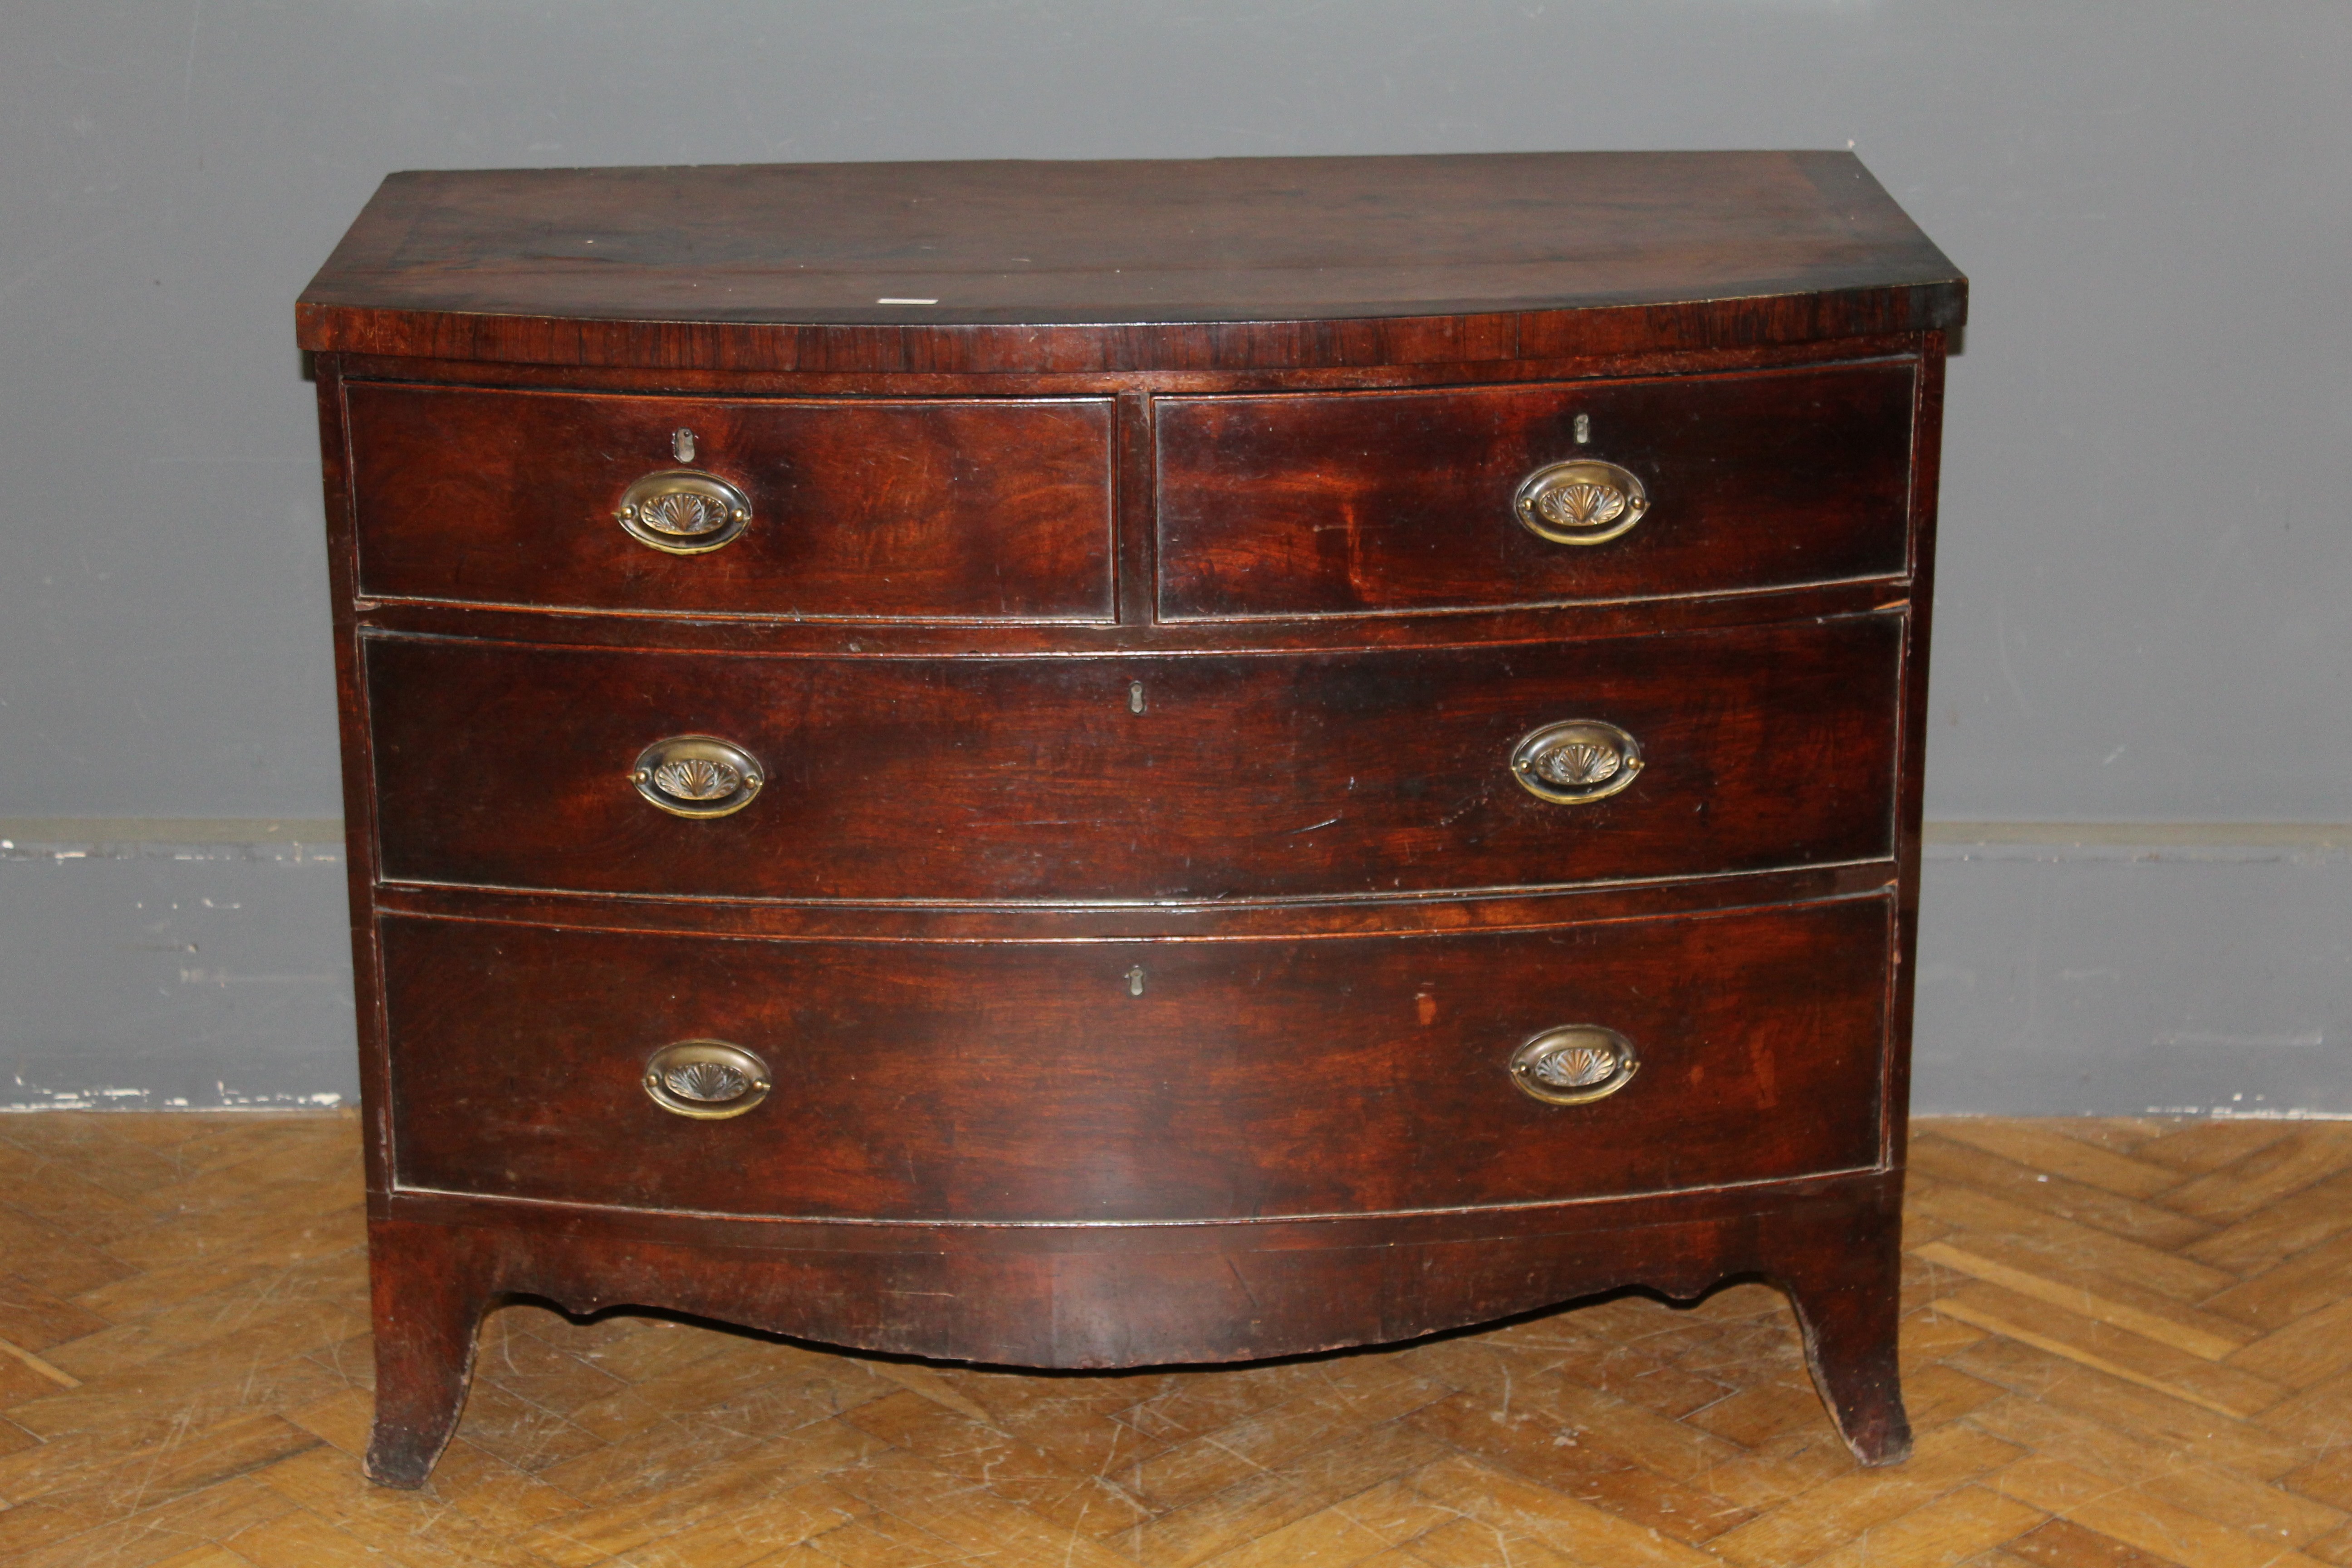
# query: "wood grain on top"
[[1210, 263]]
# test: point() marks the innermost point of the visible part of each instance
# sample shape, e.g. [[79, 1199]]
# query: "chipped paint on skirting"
[[280, 854], [113, 1099], [156, 965]]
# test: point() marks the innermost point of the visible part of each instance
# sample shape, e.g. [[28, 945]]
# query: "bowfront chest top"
[[1092, 764]]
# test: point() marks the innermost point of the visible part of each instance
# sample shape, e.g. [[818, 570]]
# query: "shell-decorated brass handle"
[[706, 1080], [1576, 761], [684, 511], [1572, 1065], [1585, 502], [697, 776]]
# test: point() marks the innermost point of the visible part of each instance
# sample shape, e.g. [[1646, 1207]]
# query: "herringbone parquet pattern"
[[2127, 1343]]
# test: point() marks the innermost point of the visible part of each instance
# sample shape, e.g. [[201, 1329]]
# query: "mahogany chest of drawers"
[[1097, 765]]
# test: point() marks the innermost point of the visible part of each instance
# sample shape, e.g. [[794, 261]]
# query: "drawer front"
[[1293, 775], [1355, 503], [1029, 1080], [941, 509]]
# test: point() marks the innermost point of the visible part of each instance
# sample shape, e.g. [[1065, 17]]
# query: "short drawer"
[[1168, 777], [1371, 502], [1133, 1080], [967, 508]]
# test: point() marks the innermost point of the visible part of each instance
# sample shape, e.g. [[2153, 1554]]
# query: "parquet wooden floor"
[[2127, 1343]]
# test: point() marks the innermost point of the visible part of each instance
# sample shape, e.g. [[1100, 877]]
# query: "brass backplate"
[[697, 776], [1583, 502], [1574, 1064], [684, 511], [708, 1080], [1576, 761]]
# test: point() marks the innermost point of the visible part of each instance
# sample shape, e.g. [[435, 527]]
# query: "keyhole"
[[1583, 429], [1135, 697], [1135, 981], [681, 444]]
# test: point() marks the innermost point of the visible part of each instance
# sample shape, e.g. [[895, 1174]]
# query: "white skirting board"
[[2065, 969], [152, 964]]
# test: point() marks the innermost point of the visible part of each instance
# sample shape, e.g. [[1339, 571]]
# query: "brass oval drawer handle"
[[1583, 502], [696, 775], [1576, 761], [684, 511], [1574, 1065], [706, 1080]]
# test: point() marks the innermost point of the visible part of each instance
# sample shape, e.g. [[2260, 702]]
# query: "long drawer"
[[860, 508], [1385, 502], [1168, 777], [1112, 1080]]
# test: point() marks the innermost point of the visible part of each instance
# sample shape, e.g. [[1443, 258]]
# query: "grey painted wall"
[[2149, 443]]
